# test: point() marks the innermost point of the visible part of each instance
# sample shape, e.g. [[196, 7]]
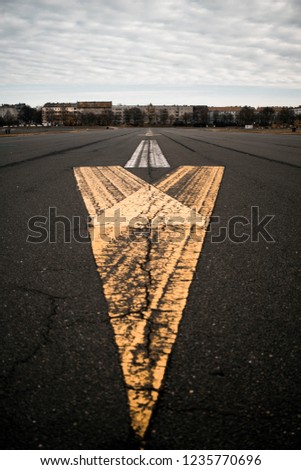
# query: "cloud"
[[137, 42]]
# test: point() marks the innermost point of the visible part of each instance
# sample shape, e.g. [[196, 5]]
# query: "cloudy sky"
[[214, 52]]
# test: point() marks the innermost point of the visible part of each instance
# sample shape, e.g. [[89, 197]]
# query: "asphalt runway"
[[232, 379]]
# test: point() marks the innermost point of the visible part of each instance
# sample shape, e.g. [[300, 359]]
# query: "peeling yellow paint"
[[146, 273]]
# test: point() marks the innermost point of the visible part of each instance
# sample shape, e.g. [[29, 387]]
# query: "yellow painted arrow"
[[146, 240]]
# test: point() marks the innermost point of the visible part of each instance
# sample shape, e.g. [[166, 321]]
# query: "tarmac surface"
[[233, 377]]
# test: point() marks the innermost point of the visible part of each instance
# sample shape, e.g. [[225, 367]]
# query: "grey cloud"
[[170, 41]]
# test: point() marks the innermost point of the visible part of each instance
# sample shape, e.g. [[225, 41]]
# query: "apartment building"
[[95, 107], [217, 112], [297, 111], [155, 114], [59, 113]]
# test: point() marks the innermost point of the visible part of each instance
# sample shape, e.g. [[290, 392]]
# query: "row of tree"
[[264, 117], [132, 117], [82, 119], [137, 117]]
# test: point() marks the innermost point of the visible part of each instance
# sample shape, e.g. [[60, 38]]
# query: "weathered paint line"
[[147, 268], [147, 154]]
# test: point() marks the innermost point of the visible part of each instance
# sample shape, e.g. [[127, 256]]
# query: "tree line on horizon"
[[134, 116]]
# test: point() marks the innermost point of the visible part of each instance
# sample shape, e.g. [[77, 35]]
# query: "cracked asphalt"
[[233, 378]]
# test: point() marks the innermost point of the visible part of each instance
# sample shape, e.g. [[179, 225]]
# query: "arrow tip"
[[141, 404]]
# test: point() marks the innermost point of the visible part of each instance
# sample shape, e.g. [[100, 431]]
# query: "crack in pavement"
[[44, 340], [47, 327]]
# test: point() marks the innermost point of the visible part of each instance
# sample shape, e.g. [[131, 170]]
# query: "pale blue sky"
[[165, 51]]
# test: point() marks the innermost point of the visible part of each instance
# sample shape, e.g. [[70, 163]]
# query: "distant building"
[[118, 112], [54, 113], [105, 113], [62, 113], [95, 107], [297, 111], [155, 114], [218, 113]]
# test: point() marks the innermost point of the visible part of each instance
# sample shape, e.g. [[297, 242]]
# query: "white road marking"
[[147, 154], [157, 159], [134, 158], [143, 163]]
